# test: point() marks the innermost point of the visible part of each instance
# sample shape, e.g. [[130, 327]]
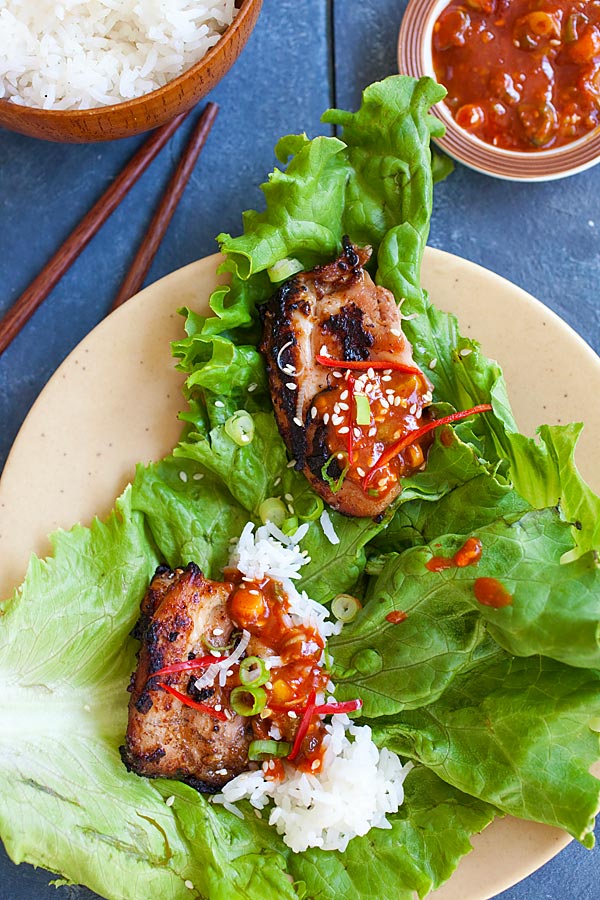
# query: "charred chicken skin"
[[344, 384], [182, 611]]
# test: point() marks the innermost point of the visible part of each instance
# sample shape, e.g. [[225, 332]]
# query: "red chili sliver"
[[394, 449], [334, 708], [187, 701], [202, 662], [364, 364], [397, 617], [304, 726]]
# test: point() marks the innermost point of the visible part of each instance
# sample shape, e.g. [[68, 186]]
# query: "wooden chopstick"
[[33, 296], [164, 212]]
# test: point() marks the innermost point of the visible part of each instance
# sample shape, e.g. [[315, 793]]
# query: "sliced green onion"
[[290, 526], [284, 269], [248, 701], [334, 485], [314, 508], [273, 510], [345, 607], [253, 671], [363, 409], [240, 427], [261, 749]]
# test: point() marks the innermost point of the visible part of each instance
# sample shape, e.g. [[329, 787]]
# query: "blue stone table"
[[302, 58]]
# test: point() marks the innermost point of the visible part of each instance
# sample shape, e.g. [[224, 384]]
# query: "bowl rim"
[[415, 58], [246, 9]]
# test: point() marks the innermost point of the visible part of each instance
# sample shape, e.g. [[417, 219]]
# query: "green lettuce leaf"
[[505, 732]]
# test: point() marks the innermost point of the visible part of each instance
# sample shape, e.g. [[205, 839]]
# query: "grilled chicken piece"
[[336, 310], [165, 738]]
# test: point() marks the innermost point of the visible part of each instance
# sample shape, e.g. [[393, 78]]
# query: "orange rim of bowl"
[[414, 58], [246, 10]]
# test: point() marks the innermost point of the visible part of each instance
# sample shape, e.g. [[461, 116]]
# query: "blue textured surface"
[[302, 57]]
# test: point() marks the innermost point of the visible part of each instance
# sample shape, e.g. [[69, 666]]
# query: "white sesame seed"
[[337, 420], [413, 409], [397, 401], [254, 592], [230, 673], [215, 652], [372, 431], [252, 387], [371, 373], [292, 714], [386, 378], [357, 433], [465, 351], [291, 509], [313, 412], [384, 403], [419, 413], [219, 404], [221, 771], [340, 455], [343, 430], [288, 497], [189, 885], [258, 813], [298, 422], [360, 471], [277, 481], [336, 408], [170, 800], [433, 363], [324, 351], [291, 386], [291, 464], [269, 685], [326, 419], [337, 374], [344, 395], [382, 482], [198, 476], [344, 406], [315, 765], [183, 476], [217, 631], [396, 332], [387, 371], [289, 369], [218, 707]]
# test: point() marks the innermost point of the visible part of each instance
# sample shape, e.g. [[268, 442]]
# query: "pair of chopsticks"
[[34, 295]]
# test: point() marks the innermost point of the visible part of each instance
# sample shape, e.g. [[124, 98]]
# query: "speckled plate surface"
[[115, 400], [415, 58]]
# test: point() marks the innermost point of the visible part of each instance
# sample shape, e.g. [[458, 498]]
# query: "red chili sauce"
[[467, 555], [521, 74], [395, 406], [262, 609], [491, 592]]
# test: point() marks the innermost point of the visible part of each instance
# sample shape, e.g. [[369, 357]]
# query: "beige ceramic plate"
[[414, 58], [115, 400]]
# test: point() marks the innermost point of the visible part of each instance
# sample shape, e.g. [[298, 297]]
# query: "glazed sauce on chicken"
[[394, 406], [262, 609]]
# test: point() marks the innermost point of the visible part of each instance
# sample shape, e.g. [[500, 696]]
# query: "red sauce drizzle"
[[490, 592], [397, 617], [468, 555], [262, 609]]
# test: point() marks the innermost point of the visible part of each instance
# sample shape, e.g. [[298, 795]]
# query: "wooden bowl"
[[106, 123]]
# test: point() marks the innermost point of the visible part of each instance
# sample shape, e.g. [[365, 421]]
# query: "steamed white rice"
[[356, 789], [79, 54], [358, 785]]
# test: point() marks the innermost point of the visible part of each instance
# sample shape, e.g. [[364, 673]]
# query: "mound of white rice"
[[358, 784], [357, 787], [79, 54]]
